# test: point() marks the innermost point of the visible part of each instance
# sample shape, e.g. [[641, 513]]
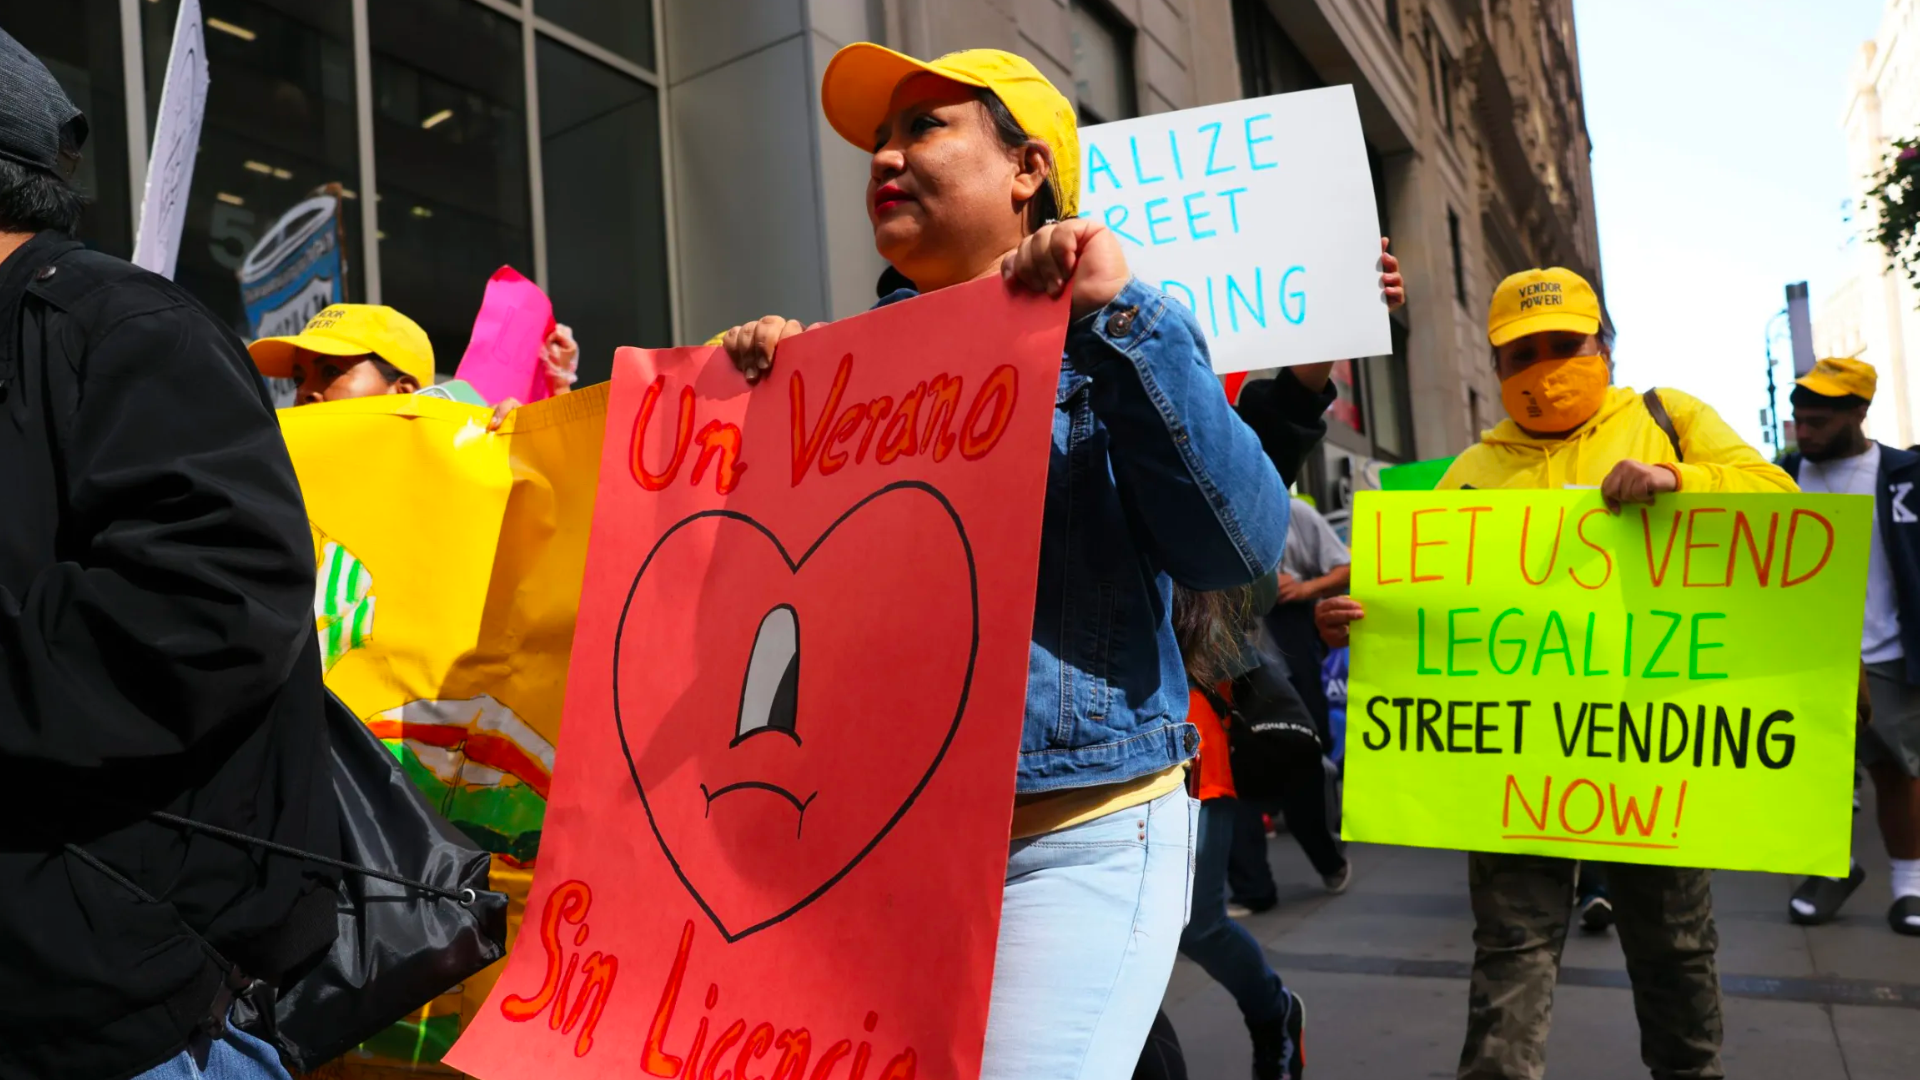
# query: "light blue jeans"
[[238, 1056], [1088, 930]]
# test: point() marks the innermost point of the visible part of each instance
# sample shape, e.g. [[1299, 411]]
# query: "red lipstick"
[[889, 196]]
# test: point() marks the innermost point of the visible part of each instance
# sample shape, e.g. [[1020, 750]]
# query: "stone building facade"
[[1475, 119], [1472, 112], [662, 168], [1874, 314]]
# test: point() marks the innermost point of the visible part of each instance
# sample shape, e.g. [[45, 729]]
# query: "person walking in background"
[[1568, 426], [1590, 899], [1315, 565], [1213, 630], [1830, 414], [157, 653]]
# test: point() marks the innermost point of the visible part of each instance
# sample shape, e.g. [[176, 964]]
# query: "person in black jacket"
[[156, 651]]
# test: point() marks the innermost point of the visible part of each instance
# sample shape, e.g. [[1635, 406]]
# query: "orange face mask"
[[1556, 395]]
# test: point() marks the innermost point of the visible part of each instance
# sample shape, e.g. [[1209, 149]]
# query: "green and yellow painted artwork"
[[342, 601]]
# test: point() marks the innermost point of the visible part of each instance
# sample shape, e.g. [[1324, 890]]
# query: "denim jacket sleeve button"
[[1121, 324]]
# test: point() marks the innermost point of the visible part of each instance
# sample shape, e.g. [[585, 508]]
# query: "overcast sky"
[[1719, 174]]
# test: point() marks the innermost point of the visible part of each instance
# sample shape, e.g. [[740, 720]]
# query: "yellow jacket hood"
[[1712, 459]]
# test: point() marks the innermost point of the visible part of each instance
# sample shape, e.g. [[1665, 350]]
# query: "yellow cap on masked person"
[[860, 80], [351, 330], [1841, 376], [1538, 301]]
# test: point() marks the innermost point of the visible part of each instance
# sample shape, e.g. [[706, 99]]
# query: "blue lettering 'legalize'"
[[1205, 143], [1244, 296], [1213, 209]]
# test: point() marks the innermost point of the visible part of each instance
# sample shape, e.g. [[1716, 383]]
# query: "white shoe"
[[1338, 881]]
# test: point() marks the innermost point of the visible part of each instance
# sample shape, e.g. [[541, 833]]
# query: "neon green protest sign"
[[1674, 684]]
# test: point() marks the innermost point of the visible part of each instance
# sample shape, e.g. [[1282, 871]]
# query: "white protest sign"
[[1258, 215], [176, 138]]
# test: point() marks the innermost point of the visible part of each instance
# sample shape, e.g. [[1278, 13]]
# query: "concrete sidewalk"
[[1383, 970]]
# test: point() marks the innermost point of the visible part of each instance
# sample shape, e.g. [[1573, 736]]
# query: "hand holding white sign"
[[1072, 253]]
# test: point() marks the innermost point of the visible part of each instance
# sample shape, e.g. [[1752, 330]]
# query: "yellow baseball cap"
[[1535, 301], [351, 330], [861, 78], [1841, 376]]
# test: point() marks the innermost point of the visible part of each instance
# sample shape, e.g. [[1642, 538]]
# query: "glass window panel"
[[606, 234], [79, 41], [450, 152], [1433, 84], [1459, 264], [1102, 67], [279, 124], [620, 26]]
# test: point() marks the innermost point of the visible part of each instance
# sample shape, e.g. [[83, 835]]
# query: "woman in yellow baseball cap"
[[1153, 480], [352, 351], [1568, 426], [349, 351]]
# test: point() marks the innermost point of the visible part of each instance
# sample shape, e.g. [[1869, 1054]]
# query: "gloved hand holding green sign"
[[1674, 684]]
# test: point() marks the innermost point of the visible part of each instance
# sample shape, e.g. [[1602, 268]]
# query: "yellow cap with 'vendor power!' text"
[[1841, 376], [351, 330], [860, 80], [1537, 301]]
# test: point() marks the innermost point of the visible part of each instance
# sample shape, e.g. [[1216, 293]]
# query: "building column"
[[768, 201]]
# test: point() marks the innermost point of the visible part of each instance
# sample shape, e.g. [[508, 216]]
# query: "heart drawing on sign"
[[784, 719]]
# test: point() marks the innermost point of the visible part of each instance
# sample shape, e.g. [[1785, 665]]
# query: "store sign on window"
[[294, 272]]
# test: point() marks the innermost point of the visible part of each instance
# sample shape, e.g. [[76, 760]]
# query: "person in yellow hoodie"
[[1568, 426]]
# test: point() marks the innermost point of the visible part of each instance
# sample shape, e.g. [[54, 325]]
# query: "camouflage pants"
[[1521, 907]]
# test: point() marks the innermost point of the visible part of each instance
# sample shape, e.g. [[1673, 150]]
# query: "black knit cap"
[[34, 111]]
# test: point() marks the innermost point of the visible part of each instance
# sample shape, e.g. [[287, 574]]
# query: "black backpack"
[[1269, 731]]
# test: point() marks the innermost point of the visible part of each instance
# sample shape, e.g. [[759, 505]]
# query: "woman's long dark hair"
[[1211, 629]]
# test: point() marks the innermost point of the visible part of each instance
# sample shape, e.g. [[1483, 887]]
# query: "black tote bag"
[[400, 945], [1269, 731]]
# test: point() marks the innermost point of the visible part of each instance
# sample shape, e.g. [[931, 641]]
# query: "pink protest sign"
[[503, 356]]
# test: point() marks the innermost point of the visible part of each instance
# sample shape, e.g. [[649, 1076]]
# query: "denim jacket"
[[1153, 479]]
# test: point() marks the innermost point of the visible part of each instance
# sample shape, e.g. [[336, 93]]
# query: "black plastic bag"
[[399, 946]]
